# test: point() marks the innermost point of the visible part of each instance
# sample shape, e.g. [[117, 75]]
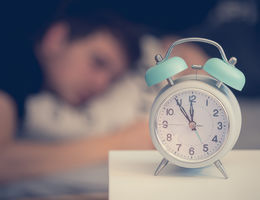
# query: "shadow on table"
[[205, 172]]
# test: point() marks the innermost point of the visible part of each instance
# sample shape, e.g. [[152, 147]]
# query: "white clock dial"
[[192, 125]]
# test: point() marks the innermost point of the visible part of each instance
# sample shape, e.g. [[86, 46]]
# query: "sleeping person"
[[79, 58]]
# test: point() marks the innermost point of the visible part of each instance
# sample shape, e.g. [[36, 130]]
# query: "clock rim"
[[222, 94]]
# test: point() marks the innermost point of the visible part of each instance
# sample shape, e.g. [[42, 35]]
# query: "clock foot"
[[220, 167], [162, 164]]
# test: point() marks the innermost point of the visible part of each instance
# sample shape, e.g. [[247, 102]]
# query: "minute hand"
[[183, 110], [191, 111]]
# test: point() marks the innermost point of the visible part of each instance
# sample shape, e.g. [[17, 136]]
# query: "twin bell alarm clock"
[[195, 119]]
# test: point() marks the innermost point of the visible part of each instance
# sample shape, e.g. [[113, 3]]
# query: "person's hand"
[[136, 136]]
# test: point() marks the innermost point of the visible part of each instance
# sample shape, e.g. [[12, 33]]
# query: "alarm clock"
[[195, 119]]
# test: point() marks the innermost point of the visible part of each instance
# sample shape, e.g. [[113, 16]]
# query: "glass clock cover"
[[192, 125]]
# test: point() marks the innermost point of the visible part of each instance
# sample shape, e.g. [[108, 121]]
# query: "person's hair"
[[81, 25]]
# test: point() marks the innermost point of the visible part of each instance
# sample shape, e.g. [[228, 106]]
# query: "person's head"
[[81, 56]]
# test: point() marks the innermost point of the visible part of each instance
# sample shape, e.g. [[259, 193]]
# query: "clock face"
[[191, 125]]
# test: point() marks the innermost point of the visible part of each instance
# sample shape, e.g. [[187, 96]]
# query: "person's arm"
[[23, 158]]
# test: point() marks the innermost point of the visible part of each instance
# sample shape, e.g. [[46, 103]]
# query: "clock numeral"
[[169, 111], [220, 126], [165, 124], [178, 101], [207, 102], [169, 137], [179, 146], [205, 147], [215, 113], [192, 98], [191, 151], [215, 139]]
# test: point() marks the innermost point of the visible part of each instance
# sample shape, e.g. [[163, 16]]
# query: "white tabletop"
[[131, 177]]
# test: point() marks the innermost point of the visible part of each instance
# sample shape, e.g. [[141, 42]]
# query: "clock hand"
[[198, 135], [182, 110], [191, 111], [197, 125], [175, 124], [193, 126]]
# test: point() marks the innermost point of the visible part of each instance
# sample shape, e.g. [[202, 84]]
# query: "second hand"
[[198, 136], [198, 125]]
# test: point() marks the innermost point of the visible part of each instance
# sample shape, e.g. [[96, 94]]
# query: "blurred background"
[[72, 83]]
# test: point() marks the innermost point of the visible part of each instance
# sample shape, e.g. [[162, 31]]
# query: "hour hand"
[[182, 110]]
